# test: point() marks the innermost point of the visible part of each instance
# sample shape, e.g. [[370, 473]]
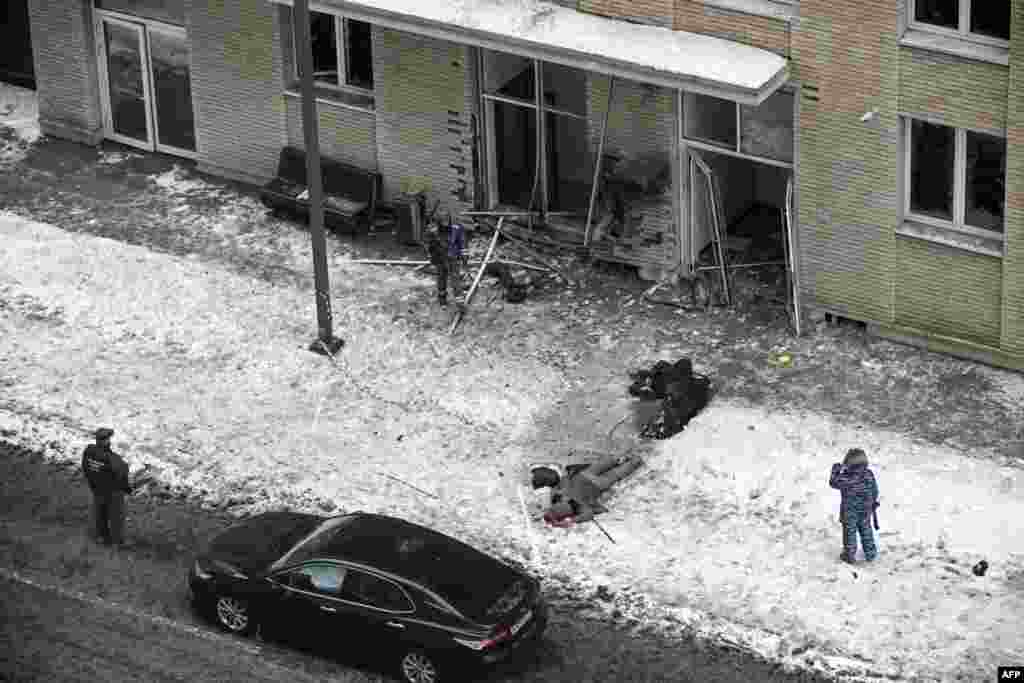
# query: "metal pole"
[[597, 163], [325, 342]]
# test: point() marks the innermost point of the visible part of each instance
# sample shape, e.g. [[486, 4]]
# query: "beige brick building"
[[885, 127]]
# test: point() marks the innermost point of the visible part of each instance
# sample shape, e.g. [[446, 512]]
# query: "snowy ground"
[[730, 532], [202, 373], [19, 127]]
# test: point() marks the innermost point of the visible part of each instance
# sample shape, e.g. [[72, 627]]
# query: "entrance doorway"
[[145, 83], [746, 205]]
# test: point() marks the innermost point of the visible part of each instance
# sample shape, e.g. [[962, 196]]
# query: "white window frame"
[[959, 181], [736, 150], [963, 30], [340, 45]]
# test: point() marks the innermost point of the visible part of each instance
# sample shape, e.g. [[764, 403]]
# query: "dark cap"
[[104, 433]]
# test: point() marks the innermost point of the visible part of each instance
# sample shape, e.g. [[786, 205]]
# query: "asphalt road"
[[47, 636]]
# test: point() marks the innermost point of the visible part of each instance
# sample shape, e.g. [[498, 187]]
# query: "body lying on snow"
[[574, 496]]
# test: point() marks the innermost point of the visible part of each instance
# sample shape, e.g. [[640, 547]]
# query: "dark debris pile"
[[678, 392]]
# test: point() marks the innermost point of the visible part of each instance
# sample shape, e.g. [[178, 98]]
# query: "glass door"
[[126, 86], [146, 83], [172, 89]]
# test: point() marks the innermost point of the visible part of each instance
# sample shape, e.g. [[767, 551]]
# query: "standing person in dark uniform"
[[107, 475]]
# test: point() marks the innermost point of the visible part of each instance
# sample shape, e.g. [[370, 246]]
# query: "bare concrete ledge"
[[951, 45], [71, 131], [959, 348]]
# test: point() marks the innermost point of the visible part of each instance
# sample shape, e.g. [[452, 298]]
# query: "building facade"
[[877, 136]]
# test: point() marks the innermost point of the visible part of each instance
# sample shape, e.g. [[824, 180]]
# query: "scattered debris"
[[681, 393]]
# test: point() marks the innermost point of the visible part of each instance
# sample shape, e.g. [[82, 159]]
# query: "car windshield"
[[314, 543]]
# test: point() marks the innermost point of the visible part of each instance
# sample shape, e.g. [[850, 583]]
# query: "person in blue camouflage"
[[859, 490]]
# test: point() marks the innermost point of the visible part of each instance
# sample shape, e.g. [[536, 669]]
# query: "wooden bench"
[[350, 193]]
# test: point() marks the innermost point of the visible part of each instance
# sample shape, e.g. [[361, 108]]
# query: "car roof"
[[459, 573]]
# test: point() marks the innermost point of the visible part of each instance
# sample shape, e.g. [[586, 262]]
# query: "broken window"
[[986, 181], [767, 130], [932, 157], [957, 176], [358, 54], [565, 88], [985, 18], [710, 119], [509, 76], [342, 51]]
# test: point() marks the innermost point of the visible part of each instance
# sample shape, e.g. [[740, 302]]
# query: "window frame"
[[410, 605], [959, 181], [963, 29], [283, 577], [736, 150], [341, 52]]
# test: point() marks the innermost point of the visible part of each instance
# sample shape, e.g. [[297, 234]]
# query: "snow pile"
[[19, 122], [661, 49], [177, 182], [729, 532]]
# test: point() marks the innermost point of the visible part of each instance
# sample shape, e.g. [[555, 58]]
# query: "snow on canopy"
[[675, 53]]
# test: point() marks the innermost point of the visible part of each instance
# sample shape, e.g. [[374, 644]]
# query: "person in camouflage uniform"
[[108, 479], [446, 254], [859, 490]]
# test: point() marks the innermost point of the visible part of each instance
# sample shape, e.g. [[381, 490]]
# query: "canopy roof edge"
[[738, 72]]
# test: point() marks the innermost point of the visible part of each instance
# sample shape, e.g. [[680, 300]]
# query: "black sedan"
[[369, 583]]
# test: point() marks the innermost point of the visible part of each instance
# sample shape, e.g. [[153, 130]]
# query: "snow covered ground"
[[19, 114], [729, 532]]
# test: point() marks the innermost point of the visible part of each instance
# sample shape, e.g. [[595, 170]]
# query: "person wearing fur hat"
[[859, 491], [574, 495]]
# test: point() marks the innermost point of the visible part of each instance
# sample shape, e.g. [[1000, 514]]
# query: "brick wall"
[[846, 58], [346, 134], [948, 291], [67, 85], [958, 91], [1013, 261], [424, 99], [767, 33], [657, 12], [237, 86]]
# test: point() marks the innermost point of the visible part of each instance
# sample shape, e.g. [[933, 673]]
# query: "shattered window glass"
[[986, 181], [324, 43], [767, 130], [932, 156], [710, 119], [510, 76]]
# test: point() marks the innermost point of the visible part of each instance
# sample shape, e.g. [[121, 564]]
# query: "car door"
[[384, 608], [309, 604]]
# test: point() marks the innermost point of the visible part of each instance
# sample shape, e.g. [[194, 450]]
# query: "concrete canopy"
[[542, 30]]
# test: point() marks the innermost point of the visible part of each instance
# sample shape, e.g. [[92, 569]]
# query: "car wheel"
[[419, 667], [233, 614]]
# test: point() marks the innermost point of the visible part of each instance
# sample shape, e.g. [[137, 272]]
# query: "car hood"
[[254, 544]]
